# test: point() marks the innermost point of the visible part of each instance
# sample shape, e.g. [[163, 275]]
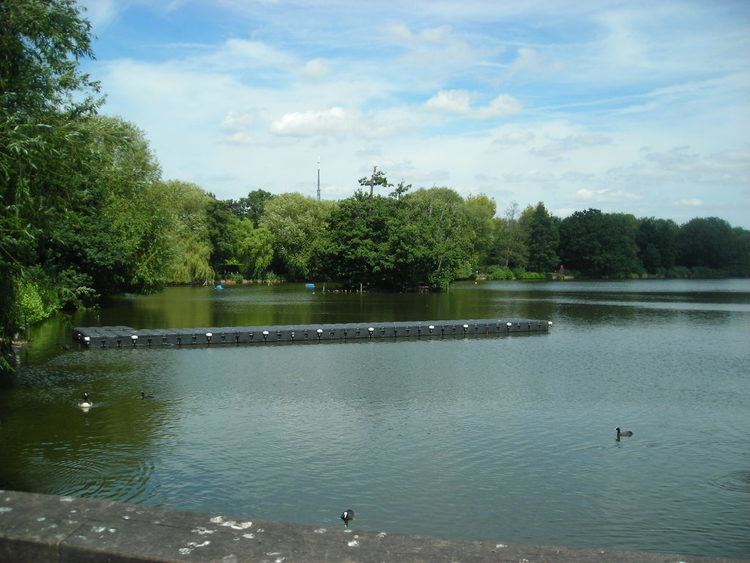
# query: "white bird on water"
[[86, 403]]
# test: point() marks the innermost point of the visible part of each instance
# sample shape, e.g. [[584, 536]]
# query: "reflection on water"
[[509, 439]]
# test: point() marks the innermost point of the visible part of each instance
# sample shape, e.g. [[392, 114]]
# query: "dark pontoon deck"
[[124, 336]]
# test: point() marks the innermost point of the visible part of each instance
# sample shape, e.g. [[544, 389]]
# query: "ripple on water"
[[103, 476], [735, 481]]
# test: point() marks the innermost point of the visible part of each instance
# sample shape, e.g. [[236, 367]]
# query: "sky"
[[623, 106]]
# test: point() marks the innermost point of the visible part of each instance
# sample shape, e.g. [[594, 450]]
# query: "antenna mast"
[[318, 178]]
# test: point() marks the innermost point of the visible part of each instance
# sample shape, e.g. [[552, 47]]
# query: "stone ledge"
[[40, 528]]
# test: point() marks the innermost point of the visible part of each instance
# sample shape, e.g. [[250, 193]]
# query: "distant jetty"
[[126, 337]]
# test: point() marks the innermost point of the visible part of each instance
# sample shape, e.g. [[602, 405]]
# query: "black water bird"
[[347, 516], [144, 396], [623, 433]]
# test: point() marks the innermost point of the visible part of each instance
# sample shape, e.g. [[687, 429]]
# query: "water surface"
[[509, 439]]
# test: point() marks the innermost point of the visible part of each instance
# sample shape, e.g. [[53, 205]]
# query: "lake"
[[510, 439]]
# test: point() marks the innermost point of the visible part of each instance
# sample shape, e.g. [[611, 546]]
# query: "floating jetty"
[[127, 337]]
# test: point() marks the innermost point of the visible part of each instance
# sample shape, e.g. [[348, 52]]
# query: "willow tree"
[[188, 237], [295, 222], [42, 93]]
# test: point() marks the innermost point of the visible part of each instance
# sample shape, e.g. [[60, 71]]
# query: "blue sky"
[[641, 107]]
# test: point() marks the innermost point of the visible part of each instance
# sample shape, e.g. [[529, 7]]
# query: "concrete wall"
[[42, 528]]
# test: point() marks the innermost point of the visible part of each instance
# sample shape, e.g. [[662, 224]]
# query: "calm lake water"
[[509, 439]]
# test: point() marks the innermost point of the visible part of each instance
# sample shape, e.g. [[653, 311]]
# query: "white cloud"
[[459, 102], [239, 138], [310, 123], [690, 202], [606, 195], [460, 93], [502, 106], [529, 60], [452, 101], [513, 136], [431, 57], [401, 32], [237, 127], [237, 121], [245, 54], [684, 164], [556, 147], [316, 69]]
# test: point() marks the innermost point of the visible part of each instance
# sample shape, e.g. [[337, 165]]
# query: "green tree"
[[189, 236], [116, 229], [41, 90], [480, 215], [509, 247], [657, 244], [707, 242], [432, 242], [254, 250], [423, 238], [295, 223], [400, 190], [355, 249], [542, 238], [222, 234], [377, 178], [252, 206], [741, 266], [599, 244]]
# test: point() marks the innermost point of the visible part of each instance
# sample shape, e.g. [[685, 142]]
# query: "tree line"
[[430, 237], [86, 212]]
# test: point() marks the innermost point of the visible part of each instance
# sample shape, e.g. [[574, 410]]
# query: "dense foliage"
[[42, 96], [85, 212]]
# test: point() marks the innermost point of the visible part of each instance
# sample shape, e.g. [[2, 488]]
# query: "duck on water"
[[623, 433], [86, 403]]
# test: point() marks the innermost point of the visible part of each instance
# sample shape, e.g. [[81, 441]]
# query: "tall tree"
[[189, 237], [432, 242], [542, 238], [252, 206], [254, 249], [706, 242], [599, 244], [480, 214], [295, 222], [41, 90], [355, 249], [222, 234], [400, 190], [115, 231], [377, 178], [657, 244], [509, 245]]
